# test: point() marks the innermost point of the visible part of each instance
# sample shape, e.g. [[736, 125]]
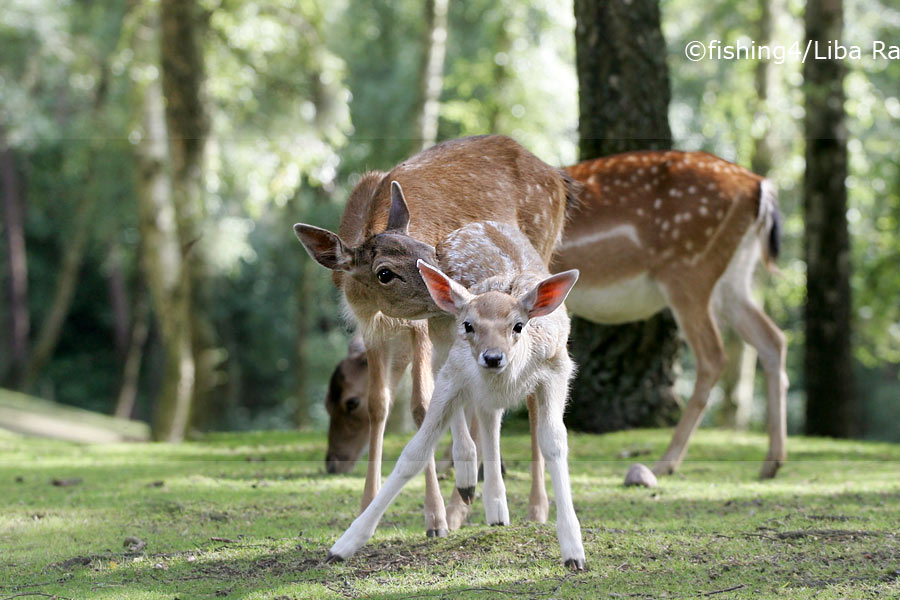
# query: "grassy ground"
[[252, 516]]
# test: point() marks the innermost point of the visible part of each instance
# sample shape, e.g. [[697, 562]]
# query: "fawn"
[[507, 340]]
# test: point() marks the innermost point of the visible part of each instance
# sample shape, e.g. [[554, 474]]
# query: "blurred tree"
[[828, 367], [18, 324], [431, 75], [626, 372]]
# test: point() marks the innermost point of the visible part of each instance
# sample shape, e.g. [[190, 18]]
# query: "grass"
[[253, 515]]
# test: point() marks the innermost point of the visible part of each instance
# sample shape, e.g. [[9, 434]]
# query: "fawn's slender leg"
[[538, 504], [422, 389], [554, 443], [412, 461], [493, 494]]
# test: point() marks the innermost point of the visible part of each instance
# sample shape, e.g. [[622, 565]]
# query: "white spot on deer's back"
[[657, 203], [703, 211], [692, 189]]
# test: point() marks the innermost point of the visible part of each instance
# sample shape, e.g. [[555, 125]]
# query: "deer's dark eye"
[[468, 327], [518, 327], [385, 275]]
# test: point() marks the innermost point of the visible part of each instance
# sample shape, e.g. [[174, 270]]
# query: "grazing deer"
[[391, 220], [507, 341], [683, 230]]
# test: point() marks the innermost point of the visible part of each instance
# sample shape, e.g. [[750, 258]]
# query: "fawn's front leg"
[[412, 461], [555, 447], [496, 511]]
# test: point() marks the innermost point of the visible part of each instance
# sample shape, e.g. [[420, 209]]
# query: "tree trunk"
[[739, 376], [830, 407], [17, 262], [431, 75], [181, 59], [134, 356], [626, 373]]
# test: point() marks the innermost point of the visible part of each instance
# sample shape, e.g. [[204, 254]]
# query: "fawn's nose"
[[493, 359]]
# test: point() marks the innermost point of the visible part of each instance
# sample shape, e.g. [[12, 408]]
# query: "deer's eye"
[[385, 275], [517, 328], [468, 327]]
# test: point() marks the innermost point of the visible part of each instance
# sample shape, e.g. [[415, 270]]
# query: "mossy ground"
[[253, 515]]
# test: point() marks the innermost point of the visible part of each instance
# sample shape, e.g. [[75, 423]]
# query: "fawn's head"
[[346, 403], [383, 264], [493, 322]]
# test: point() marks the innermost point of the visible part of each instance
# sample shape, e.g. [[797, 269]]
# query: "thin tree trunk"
[[431, 74], [187, 125], [627, 372], [740, 372], [118, 302], [17, 261], [133, 358], [73, 249], [830, 408]]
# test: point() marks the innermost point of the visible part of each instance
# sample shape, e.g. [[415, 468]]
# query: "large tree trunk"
[[830, 408], [431, 74], [181, 58], [17, 262], [626, 373]]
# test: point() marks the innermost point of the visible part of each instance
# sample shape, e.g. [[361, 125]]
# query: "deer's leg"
[[696, 322], [493, 494], [422, 389], [555, 446], [538, 504], [758, 330], [414, 458], [465, 465], [379, 361]]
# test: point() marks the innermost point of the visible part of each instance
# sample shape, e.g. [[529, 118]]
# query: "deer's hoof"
[[432, 533], [467, 494], [499, 524], [333, 558], [770, 469], [576, 564]]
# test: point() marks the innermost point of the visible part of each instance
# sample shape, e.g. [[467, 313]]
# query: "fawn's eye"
[[468, 327], [518, 327], [385, 275]]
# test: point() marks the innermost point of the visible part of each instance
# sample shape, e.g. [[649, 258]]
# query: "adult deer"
[[507, 341], [683, 230], [391, 220]]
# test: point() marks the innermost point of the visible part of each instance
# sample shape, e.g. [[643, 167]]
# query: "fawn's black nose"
[[493, 359]]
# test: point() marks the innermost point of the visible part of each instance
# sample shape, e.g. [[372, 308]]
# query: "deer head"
[[384, 263], [493, 322], [348, 429]]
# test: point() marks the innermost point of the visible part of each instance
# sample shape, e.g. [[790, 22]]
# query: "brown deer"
[[682, 230], [506, 341], [391, 220]]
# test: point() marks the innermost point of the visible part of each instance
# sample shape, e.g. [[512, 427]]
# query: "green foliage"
[[253, 515]]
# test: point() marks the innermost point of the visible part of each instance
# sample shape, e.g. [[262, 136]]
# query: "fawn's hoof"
[[437, 533], [467, 494], [333, 558], [576, 564], [770, 469], [499, 524]]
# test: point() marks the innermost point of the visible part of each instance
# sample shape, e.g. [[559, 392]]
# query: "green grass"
[[827, 527]]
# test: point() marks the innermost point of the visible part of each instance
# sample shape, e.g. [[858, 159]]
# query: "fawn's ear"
[[398, 219], [446, 293], [325, 247], [549, 294]]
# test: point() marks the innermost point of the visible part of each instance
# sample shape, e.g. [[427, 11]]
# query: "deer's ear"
[[325, 247], [446, 293], [398, 220], [546, 296]]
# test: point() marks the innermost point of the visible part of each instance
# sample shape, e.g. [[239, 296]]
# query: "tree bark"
[[830, 407], [627, 372], [17, 262], [431, 75], [181, 58], [134, 356]]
